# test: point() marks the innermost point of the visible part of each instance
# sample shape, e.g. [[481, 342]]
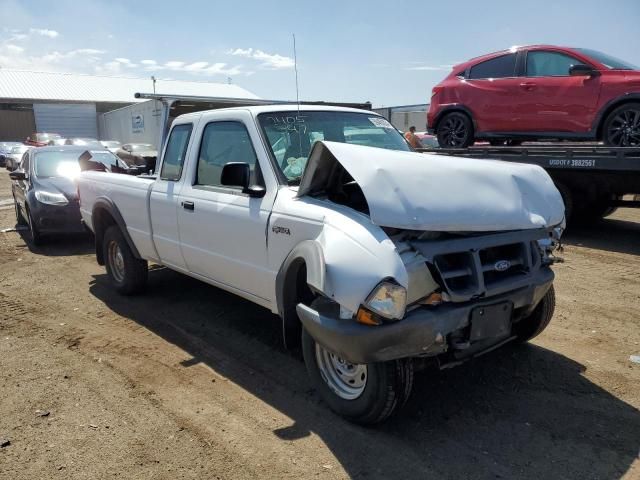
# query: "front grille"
[[486, 271]]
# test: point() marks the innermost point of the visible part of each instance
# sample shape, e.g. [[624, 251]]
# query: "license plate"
[[491, 321]]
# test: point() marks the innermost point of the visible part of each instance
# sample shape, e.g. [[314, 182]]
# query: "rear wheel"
[[622, 126], [362, 393], [455, 130], [533, 325], [127, 273]]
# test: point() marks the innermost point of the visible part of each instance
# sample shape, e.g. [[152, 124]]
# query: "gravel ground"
[[188, 381]]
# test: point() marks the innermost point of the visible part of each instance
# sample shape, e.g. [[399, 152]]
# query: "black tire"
[[36, 236], [127, 274], [387, 388], [567, 198], [622, 126], [533, 325], [19, 218], [455, 130]]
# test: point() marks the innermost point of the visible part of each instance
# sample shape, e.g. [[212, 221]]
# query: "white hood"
[[432, 192]]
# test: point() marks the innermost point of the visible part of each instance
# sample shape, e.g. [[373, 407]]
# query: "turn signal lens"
[[434, 299], [367, 318]]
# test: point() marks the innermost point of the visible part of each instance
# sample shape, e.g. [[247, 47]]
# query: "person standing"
[[411, 137]]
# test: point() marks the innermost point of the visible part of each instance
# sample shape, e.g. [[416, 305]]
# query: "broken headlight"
[[388, 300]]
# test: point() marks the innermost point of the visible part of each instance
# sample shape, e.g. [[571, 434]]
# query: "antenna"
[[295, 66]]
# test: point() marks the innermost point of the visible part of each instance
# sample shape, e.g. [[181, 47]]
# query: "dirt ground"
[[188, 381]]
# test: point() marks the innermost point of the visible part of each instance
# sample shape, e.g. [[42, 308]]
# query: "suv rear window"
[[499, 67]]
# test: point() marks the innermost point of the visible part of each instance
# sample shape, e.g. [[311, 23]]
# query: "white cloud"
[[148, 62], [126, 62], [174, 65], [270, 61], [13, 48], [44, 32]]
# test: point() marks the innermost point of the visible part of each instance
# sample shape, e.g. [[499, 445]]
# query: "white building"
[[69, 104]]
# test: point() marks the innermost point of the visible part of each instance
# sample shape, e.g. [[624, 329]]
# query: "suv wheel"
[[127, 273], [622, 126], [455, 130], [362, 393]]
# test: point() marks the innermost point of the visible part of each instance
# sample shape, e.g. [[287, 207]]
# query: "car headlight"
[[388, 300], [51, 198]]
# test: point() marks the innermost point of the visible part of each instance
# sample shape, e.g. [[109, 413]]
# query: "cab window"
[[549, 64], [175, 152], [222, 143]]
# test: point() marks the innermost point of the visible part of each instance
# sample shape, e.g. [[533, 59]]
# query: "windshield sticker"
[[288, 123], [380, 122]]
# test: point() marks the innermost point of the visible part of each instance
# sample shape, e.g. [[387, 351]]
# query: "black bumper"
[[53, 219], [423, 331]]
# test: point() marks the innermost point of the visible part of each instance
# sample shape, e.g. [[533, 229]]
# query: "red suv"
[[538, 92], [41, 139]]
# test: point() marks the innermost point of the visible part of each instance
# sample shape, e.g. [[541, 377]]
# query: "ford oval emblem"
[[502, 265]]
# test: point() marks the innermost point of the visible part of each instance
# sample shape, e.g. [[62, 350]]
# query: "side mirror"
[[17, 175], [238, 174], [581, 70]]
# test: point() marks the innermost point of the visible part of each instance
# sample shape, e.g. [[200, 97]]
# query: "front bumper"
[[423, 331], [52, 219]]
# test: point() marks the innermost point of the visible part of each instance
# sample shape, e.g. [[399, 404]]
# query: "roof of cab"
[[277, 107]]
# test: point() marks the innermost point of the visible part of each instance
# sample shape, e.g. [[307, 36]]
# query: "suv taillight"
[[437, 89]]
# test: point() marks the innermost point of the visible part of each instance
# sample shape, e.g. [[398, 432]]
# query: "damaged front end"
[[465, 294]]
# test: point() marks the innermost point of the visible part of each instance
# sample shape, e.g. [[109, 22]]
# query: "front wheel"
[[362, 393], [622, 126], [36, 236], [534, 324], [455, 130], [127, 273]]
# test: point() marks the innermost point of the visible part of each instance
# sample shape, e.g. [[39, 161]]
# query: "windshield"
[[20, 149], [57, 164], [608, 61], [139, 147], [292, 134], [45, 137]]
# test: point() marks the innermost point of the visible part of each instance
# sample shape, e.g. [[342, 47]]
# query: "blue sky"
[[388, 52]]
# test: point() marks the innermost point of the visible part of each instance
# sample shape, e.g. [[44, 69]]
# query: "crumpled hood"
[[432, 192]]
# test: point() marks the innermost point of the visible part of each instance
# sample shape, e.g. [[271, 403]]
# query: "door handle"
[[528, 85], [188, 205]]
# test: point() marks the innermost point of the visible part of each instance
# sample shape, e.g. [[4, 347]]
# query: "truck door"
[[222, 229], [163, 205]]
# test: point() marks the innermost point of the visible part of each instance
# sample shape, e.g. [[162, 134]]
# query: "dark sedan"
[[44, 190]]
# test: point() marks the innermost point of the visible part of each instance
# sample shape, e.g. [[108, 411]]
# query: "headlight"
[[51, 198], [388, 300]]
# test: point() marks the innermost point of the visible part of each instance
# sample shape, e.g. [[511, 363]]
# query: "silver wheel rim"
[[347, 380], [116, 261]]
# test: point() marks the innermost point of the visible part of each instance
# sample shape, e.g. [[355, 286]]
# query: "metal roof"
[[73, 87]]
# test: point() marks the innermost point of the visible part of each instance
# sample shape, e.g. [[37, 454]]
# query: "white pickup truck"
[[374, 256]]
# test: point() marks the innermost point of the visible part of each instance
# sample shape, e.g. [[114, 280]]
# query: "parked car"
[[538, 92], [41, 139], [84, 142], [44, 189], [374, 257], [139, 155], [57, 142], [111, 145], [5, 150], [12, 159], [427, 140]]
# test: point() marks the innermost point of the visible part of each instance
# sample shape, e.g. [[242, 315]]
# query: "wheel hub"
[[116, 261], [347, 380]]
